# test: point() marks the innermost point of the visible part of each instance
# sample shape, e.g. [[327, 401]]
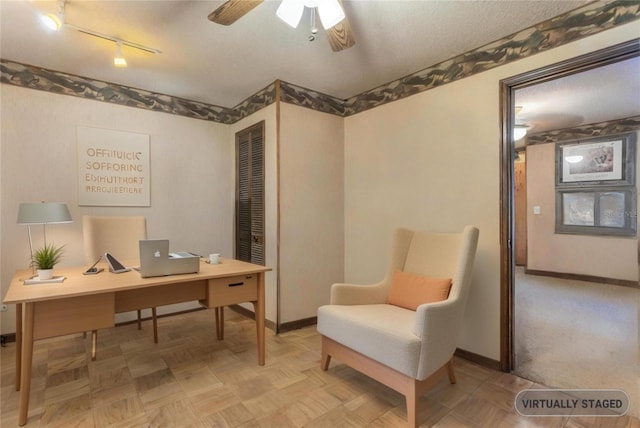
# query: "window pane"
[[612, 209], [579, 209]]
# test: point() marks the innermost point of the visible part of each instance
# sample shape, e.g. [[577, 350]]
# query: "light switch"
[[536, 209]]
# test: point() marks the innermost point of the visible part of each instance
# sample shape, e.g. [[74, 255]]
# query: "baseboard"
[[249, 314], [587, 278], [7, 338], [295, 325], [282, 328], [478, 359]]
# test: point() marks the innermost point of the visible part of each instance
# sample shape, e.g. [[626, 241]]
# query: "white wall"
[[431, 162], [267, 114], [191, 176], [311, 209], [603, 256]]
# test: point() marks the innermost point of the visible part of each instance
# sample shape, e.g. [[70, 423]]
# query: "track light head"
[[119, 59]]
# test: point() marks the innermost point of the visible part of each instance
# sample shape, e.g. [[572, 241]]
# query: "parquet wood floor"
[[190, 379]]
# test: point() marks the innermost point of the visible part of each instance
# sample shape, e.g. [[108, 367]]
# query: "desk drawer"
[[73, 315], [160, 295], [232, 290]]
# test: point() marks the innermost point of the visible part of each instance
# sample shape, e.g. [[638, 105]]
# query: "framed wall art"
[[602, 160]]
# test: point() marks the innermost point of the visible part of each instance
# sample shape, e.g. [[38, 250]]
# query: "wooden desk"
[[89, 302]]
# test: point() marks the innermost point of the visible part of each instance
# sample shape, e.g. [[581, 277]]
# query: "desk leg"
[[27, 361], [258, 307], [94, 344], [18, 344], [219, 312]]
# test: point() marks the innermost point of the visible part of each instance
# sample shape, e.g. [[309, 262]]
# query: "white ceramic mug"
[[214, 259]]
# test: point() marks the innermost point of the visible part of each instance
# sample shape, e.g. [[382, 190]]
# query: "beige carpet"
[[576, 334]]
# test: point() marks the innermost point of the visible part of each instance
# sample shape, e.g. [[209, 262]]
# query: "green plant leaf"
[[48, 256]]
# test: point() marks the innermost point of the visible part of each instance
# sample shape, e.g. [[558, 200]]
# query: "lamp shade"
[[43, 213]]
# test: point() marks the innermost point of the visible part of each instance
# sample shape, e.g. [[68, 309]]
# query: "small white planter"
[[45, 274]]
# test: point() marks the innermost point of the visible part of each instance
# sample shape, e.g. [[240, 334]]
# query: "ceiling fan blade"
[[232, 10], [340, 36]]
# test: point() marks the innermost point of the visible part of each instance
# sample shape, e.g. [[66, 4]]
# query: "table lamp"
[[42, 213]]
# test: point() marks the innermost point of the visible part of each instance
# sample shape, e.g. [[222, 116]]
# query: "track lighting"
[[119, 60], [57, 21]]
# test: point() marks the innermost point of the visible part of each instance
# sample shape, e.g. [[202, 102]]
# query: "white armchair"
[[407, 350]]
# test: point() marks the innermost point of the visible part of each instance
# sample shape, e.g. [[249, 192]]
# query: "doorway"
[[509, 211]]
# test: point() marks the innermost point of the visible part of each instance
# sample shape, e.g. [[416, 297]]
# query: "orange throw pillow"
[[409, 290]]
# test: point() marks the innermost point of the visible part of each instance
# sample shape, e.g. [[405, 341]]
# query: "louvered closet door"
[[250, 195]]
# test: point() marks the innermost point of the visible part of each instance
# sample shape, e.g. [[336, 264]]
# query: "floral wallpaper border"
[[586, 21]]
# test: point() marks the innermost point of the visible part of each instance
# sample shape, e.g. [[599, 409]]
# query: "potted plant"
[[45, 258]]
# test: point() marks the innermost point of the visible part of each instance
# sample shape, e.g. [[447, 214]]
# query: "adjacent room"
[[264, 157], [576, 292]]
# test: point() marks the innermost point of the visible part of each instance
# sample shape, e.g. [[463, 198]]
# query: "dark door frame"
[[508, 86]]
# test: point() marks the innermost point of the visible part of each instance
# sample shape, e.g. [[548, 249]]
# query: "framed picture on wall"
[[597, 211], [607, 160]]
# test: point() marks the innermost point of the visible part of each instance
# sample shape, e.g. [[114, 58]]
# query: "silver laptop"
[[155, 259]]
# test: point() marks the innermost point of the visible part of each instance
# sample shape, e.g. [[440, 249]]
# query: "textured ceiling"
[[593, 96], [222, 65]]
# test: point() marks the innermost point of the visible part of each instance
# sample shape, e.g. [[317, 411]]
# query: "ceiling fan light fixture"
[[519, 131], [54, 21], [51, 21], [330, 12], [290, 11]]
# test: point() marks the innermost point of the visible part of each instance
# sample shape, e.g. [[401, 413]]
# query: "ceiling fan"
[[331, 14]]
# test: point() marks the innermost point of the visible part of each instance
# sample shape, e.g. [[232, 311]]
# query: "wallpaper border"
[[611, 127], [583, 22]]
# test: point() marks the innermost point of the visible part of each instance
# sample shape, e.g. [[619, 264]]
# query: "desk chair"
[[403, 331], [118, 236]]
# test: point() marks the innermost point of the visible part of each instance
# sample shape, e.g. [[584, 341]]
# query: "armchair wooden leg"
[[155, 325], [450, 372], [411, 388], [411, 397], [139, 319], [94, 344], [325, 360]]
